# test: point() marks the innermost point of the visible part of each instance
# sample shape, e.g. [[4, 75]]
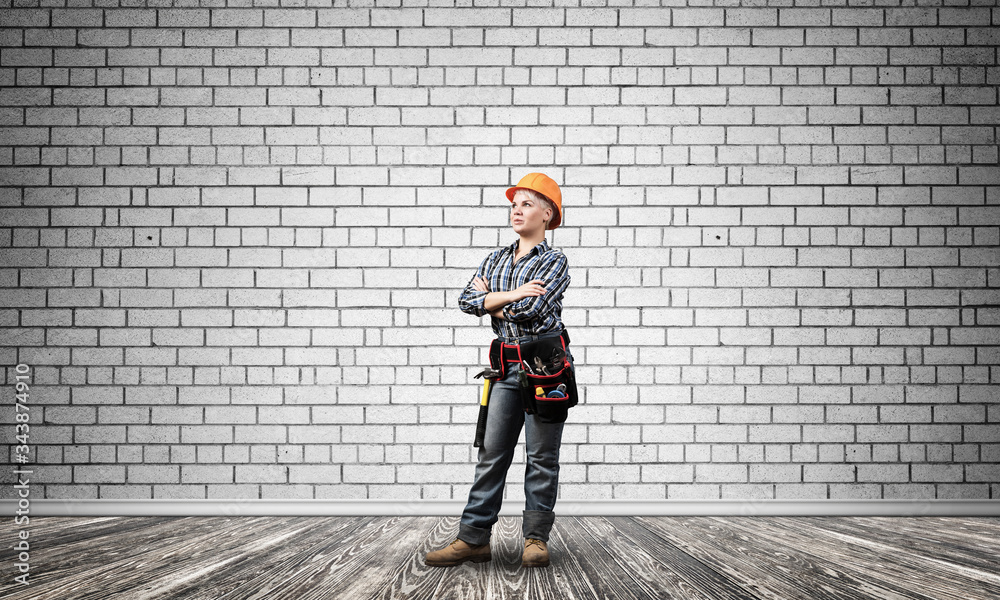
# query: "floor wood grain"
[[620, 558]]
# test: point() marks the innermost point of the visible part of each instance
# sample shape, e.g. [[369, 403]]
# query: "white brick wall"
[[233, 239]]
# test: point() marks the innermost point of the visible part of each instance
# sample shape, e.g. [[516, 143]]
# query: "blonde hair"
[[545, 202]]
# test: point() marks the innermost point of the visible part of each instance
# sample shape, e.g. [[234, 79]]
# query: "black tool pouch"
[[496, 358], [547, 409]]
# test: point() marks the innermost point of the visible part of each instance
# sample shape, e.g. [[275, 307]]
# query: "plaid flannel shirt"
[[533, 315]]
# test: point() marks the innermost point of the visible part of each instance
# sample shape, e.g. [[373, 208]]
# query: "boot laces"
[[534, 542]]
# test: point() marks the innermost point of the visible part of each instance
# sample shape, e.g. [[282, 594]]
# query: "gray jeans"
[[541, 475]]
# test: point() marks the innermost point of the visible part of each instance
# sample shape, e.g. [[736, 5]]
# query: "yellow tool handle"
[[486, 391]]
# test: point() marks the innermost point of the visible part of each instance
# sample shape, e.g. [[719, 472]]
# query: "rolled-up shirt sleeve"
[[471, 301], [554, 271]]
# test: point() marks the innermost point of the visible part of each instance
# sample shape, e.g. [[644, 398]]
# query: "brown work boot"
[[536, 554], [457, 553]]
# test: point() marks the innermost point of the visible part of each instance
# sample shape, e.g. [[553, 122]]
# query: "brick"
[[720, 473], [153, 474], [666, 473], [828, 473], [293, 57], [776, 473], [25, 17], [451, 17], [27, 57], [102, 474]]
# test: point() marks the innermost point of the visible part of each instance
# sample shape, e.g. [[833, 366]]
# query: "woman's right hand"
[[532, 288]]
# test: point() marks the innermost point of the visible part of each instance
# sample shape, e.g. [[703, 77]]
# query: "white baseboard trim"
[[274, 507]]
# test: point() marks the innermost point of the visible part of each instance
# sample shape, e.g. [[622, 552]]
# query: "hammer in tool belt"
[[489, 375]]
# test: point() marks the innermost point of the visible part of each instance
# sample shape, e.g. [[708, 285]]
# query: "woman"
[[521, 287]]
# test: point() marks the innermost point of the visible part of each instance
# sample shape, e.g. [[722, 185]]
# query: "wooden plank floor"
[[620, 558]]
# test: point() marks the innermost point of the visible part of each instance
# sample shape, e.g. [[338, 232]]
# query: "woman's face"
[[527, 216]]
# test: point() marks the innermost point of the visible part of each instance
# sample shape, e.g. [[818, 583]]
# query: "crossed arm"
[[495, 301], [526, 302]]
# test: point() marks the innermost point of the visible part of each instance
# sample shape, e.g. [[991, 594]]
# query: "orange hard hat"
[[544, 185]]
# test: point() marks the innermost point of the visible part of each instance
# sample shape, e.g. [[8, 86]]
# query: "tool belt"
[[545, 366]]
